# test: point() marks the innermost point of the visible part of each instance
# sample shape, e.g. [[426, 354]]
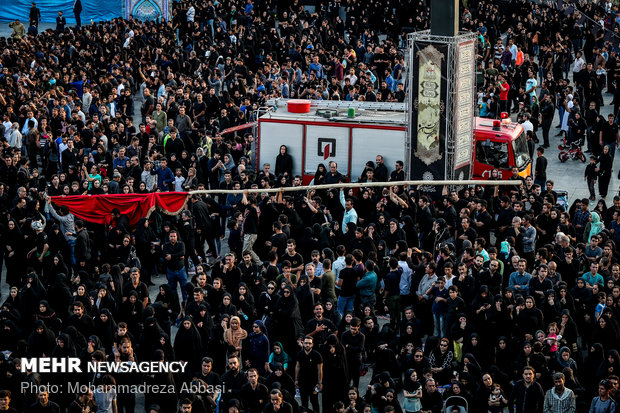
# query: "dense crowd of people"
[[500, 295]]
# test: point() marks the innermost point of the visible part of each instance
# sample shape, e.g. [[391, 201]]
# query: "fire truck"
[[352, 133], [349, 133], [499, 144]]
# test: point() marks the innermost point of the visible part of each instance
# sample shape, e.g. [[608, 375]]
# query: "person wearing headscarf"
[[243, 299], [279, 375], [146, 249], [335, 377], [105, 328], [14, 300], [330, 311], [569, 333], [38, 254], [234, 335], [167, 401], [229, 165], [287, 319], [412, 391], [41, 341], [278, 356], [58, 267], [204, 324], [33, 212], [11, 334], [226, 307], [64, 347], [284, 162], [530, 319], [481, 307], [103, 299], [441, 358], [596, 225], [116, 289], [60, 295], [13, 252], [78, 339], [169, 299], [471, 365], [57, 241], [47, 314], [504, 356], [31, 295], [81, 296], [564, 360], [149, 341], [409, 336], [606, 163], [305, 298], [8, 311], [499, 318], [609, 366], [477, 351], [130, 311], [594, 358], [188, 344], [256, 348], [165, 344], [604, 333], [319, 175]]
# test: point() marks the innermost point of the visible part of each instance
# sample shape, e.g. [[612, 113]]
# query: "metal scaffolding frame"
[[450, 104]]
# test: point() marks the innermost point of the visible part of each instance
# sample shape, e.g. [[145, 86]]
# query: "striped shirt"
[[560, 403]]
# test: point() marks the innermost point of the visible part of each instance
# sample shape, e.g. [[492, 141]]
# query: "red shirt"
[[504, 95]]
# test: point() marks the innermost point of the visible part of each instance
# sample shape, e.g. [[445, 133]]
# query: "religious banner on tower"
[[428, 123], [442, 79], [464, 108]]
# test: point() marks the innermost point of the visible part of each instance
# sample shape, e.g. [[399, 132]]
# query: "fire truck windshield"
[[522, 156]]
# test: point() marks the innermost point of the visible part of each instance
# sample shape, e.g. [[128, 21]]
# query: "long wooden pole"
[[352, 185]]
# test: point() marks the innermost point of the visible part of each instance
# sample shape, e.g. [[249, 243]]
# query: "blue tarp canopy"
[[96, 10]]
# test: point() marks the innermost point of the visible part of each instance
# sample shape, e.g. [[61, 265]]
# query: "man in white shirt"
[[191, 13], [78, 107], [61, 141], [87, 98], [351, 76], [26, 129], [527, 123], [339, 264], [512, 47], [120, 88], [127, 42], [530, 86], [405, 281], [15, 138], [101, 137], [111, 105], [578, 66], [7, 126]]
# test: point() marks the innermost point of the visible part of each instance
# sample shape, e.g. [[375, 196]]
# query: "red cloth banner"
[[98, 208]]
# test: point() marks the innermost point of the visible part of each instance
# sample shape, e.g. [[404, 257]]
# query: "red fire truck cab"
[[502, 145]]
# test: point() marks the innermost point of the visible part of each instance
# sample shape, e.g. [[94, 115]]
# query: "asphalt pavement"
[[569, 176]]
